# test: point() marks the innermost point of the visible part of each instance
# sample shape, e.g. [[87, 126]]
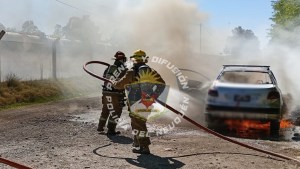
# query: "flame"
[[251, 124], [286, 124], [241, 125]]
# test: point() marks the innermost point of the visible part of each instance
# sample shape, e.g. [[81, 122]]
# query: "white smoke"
[[168, 29]]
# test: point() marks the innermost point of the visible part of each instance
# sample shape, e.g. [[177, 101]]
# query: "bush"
[[12, 80], [15, 92]]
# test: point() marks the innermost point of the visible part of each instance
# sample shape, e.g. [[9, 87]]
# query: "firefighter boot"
[[101, 125], [100, 129], [135, 144], [141, 150], [113, 132]]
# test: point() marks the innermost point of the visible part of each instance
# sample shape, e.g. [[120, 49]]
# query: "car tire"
[[274, 128]]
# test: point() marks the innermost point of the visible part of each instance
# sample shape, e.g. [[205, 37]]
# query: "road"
[[62, 135]]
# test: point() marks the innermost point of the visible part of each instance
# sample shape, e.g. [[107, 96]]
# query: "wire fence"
[[33, 58]]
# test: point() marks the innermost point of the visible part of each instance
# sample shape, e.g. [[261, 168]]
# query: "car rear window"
[[245, 77]]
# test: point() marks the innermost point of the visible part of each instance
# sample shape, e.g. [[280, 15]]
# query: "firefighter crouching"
[[112, 99], [133, 78]]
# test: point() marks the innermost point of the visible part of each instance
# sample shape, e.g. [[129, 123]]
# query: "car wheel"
[[274, 128]]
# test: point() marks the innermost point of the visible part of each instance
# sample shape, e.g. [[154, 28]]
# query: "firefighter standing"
[[112, 99], [132, 77]]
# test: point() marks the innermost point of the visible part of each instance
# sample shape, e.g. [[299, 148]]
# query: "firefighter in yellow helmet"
[[132, 78]]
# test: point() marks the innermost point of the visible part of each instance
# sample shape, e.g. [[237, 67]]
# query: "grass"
[[16, 93]]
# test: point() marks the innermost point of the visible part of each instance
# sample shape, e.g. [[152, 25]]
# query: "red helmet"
[[120, 56]]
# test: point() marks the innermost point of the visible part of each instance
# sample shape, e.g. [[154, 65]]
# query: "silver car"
[[245, 92]]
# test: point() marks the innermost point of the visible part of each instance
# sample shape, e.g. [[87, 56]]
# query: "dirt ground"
[[56, 136]]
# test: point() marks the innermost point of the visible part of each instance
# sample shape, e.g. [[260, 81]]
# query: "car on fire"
[[244, 92]]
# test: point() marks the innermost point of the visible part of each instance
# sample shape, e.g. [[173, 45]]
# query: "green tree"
[[241, 42], [81, 29], [286, 18], [29, 28]]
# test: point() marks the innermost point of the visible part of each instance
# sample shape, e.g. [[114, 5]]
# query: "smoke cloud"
[[168, 29]]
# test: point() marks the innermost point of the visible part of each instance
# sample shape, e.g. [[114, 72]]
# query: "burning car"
[[245, 92]]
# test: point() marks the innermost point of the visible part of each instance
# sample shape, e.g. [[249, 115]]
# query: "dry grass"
[[14, 92]]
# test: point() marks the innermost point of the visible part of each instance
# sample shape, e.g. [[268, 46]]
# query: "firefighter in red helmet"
[[112, 99], [136, 81]]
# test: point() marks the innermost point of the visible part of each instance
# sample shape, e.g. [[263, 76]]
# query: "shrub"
[[12, 80]]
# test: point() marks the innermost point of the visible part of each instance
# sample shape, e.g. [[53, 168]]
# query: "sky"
[[223, 14], [250, 14]]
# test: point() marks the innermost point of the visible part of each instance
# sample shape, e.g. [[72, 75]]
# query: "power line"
[[74, 7]]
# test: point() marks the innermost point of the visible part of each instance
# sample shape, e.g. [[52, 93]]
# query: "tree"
[[2, 27], [286, 18], [58, 31], [241, 42], [81, 29], [7, 29], [29, 28], [12, 30]]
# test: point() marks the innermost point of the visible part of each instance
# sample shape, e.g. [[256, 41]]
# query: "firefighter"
[[141, 140], [112, 99]]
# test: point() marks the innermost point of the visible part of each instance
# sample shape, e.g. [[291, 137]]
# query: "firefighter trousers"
[[139, 131], [111, 110]]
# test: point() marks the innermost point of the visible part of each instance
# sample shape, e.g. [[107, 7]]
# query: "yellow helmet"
[[139, 56]]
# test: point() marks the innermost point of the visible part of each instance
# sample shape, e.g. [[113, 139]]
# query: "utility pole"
[[200, 49], [54, 45], [1, 35], [42, 72], [0, 70]]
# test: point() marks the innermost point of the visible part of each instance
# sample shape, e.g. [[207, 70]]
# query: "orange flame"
[[251, 124], [246, 124], [286, 124]]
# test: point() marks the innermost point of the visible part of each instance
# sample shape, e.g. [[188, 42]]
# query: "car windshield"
[[245, 77]]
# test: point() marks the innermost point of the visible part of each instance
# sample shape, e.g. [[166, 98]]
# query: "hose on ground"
[[197, 124], [13, 164]]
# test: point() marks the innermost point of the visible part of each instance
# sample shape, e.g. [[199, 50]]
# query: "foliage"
[[58, 33], [12, 80], [12, 30], [2, 27], [285, 17], [81, 29], [77, 28], [241, 41], [30, 28], [38, 91]]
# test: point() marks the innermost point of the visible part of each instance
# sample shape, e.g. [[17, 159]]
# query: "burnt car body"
[[197, 84], [244, 92]]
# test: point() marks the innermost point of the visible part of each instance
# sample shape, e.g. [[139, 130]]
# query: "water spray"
[[194, 122]]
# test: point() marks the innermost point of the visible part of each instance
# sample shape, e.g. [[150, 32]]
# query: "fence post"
[[54, 63], [1, 35]]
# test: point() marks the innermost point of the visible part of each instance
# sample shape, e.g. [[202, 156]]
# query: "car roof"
[[246, 68]]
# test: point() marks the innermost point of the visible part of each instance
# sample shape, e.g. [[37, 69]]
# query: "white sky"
[[223, 14]]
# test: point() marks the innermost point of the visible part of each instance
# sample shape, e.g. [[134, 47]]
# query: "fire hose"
[[13, 164], [194, 122], [2, 160]]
